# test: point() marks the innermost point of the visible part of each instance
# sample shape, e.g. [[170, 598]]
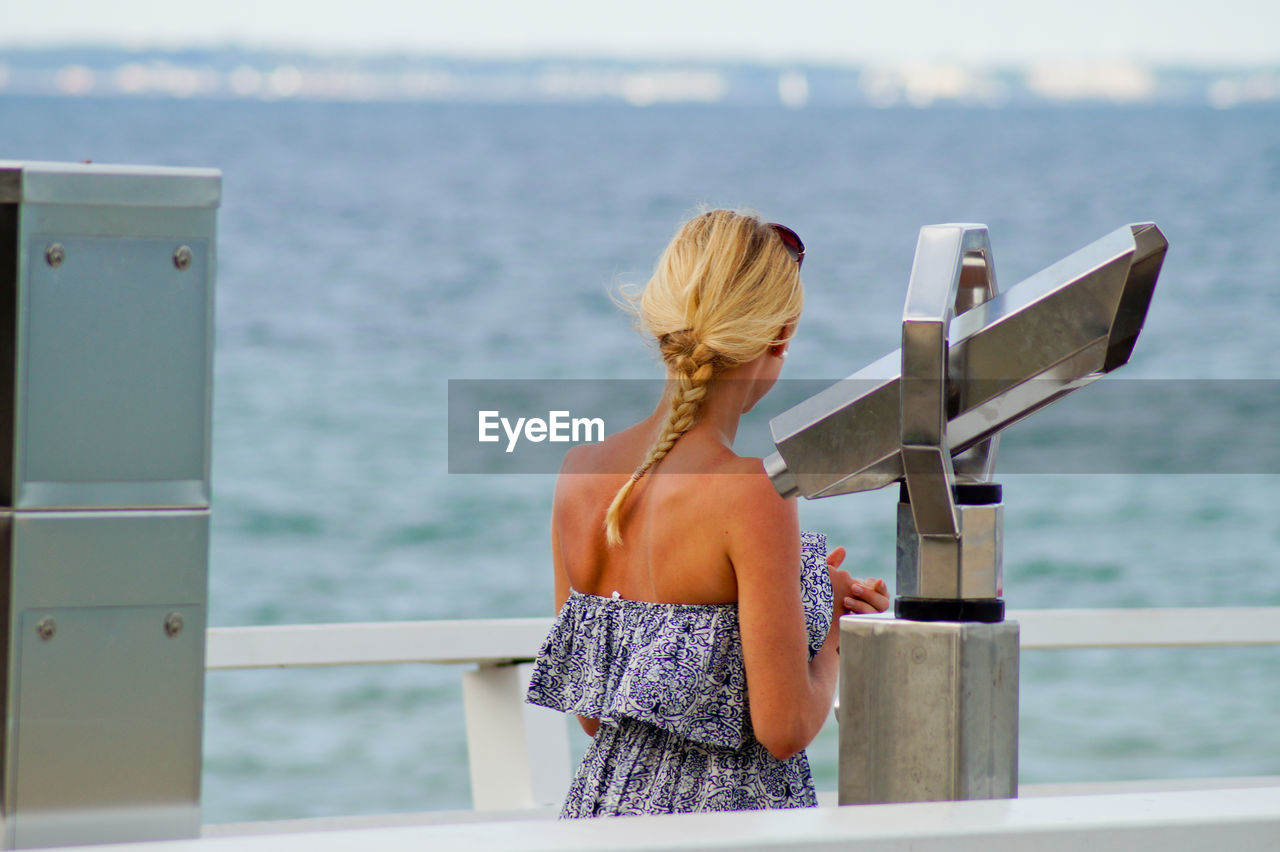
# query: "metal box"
[[106, 281], [103, 674], [106, 350]]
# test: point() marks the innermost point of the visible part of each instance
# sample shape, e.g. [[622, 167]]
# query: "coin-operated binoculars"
[[929, 700]]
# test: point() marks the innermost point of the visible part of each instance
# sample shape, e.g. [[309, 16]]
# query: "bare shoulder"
[[591, 470], [612, 456], [756, 518], [580, 474], [579, 459], [744, 481]]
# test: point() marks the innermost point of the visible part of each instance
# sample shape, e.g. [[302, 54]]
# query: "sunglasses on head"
[[791, 240]]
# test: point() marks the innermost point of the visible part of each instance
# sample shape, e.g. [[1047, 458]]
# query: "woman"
[[696, 637]]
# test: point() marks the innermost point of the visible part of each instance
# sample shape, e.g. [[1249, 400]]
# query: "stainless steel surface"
[[106, 324], [930, 478], [978, 567], [943, 565], [109, 719], [1045, 337], [35, 182], [111, 297], [928, 710], [107, 716], [109, 558], [977, 285], [981, 552], [115, 351]]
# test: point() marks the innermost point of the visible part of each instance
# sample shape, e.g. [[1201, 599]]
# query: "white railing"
[[1240, 820], [497, 640], [519, 754]]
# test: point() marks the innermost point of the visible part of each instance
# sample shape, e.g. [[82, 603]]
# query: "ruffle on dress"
[[677, 667]]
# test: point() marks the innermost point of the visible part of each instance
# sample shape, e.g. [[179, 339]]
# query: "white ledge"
[[1238, 819], [1147, 628], [374, 643], [492, 641]]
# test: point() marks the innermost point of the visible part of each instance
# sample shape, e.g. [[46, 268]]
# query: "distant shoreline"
[[262, 75]]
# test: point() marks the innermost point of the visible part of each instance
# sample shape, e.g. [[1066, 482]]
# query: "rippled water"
[[370, 253]]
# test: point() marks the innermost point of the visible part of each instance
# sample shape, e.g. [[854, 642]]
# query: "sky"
[[1218, 33]]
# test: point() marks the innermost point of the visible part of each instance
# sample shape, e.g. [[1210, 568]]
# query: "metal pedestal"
[[106, 354], [928, 710]]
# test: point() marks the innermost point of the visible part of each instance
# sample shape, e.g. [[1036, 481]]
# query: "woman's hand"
[[860, 596], [870, 594]]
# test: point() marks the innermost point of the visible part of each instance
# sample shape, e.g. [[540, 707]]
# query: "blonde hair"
[[721, 293]]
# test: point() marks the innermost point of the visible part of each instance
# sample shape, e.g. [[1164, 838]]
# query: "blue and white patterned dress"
[[668, 685]]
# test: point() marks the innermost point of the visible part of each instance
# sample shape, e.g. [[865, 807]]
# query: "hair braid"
[[723, 290], [693, 368]]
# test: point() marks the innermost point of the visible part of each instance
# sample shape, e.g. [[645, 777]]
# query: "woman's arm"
[[790, 695], [562, 594]]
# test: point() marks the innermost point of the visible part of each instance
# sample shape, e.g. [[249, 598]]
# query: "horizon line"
[[566, 54]]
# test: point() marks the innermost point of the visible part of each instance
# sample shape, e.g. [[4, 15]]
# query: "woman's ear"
[[784, 333], [778, 348]]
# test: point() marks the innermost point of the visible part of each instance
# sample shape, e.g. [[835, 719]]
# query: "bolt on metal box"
[[106, 298]]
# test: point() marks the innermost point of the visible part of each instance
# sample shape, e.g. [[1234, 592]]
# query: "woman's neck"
[[729, 396]]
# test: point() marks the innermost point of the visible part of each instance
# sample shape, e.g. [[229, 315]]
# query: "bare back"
[[677, 523]]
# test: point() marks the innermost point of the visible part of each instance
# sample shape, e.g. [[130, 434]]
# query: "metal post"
[[928, 710], [106, 342], [932, 708]]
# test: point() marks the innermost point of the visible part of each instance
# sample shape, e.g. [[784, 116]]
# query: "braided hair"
[[721, 292]]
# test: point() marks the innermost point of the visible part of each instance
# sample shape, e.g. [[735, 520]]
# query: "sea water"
[[369, 253]]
